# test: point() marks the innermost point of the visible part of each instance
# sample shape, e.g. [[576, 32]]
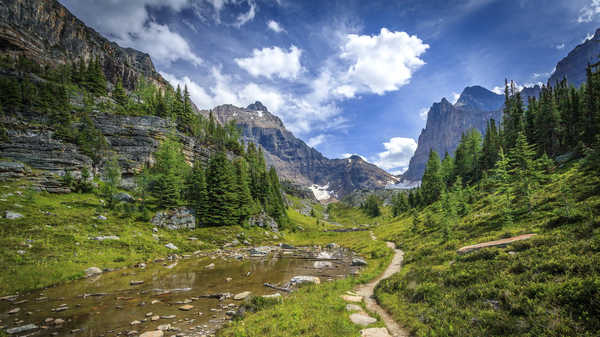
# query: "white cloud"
[[129, 24], [316, 140], [560, 46], [454, 98], [216, 7], [381, 63], [244, 18], [348, 155], [397, 155], [272, 61], [588, 12], [423, 113], [275, 26]]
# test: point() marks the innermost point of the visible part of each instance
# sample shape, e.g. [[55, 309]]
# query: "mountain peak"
[[479, 98], [257, 106]]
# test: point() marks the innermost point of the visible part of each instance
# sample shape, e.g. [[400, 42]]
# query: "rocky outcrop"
[[179, 218], [573, 66], [446, 123], [45, 31], [297, 162]]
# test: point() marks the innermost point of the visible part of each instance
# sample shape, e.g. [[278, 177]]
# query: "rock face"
[[44, 30], [447, 122], [573, 65], [297, 162], [178, 218]]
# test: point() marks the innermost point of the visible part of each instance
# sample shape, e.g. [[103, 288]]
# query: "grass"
[[56, 230], [546, 286], [316, 310]]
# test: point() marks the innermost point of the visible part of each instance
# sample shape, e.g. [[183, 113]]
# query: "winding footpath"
[[366, 291]]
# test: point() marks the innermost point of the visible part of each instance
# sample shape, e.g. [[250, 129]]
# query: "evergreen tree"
[[198, 194], [169, 173], [502, 179], [245, 205], [112, 181], [222, 196], [447, 170], [119, 94], [371, 206], [432, 183]]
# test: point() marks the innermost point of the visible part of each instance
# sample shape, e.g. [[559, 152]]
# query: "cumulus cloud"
[[423, 113], [206, 9], [129, 24], [348, 155], [588, 12], [275, 26], [397, 154], [381, 63], [316, 140], [274, 61]]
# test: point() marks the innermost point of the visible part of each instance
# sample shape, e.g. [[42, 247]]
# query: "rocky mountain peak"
[[258, 106], [479, 98], [572, 67]]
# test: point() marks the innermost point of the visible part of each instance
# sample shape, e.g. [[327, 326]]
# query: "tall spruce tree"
[[222, 196], [198, 193], [432, 183]]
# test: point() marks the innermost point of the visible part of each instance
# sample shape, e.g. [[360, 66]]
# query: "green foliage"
[[119, 94], [169, 173], [112, 181], [223, 200], [371, 206], [432, 184]]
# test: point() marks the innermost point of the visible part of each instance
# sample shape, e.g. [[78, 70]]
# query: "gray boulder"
[[125, 197], [171, 246], [264, 221], [12, 215], [358, 262], [178, 218]]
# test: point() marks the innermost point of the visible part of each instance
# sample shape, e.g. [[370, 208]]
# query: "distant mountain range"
[[446, 122], [298, 162]]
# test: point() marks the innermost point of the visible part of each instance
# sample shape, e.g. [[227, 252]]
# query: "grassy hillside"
[[546, 286], [52, 242]]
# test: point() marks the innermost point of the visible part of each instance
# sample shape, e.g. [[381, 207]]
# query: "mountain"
[[45, 31], [574, 64], [298, 162], [447, 122]]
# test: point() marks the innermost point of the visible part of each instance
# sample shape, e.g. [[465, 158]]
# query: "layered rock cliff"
[[298, 162], [447, 122], [573, 66], [45, 31]]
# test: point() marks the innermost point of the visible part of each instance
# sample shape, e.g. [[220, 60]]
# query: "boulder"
[[259, 251], [21, 329], [242, 295], [351, 298], [101, 217], [156, 333], [332, 246], [286, 246], [122, 196], [264, 221], [12, 215], [106, 237], [353, 307], [186, 307], [358, 262], [301, 279], [178, 218], [91, 271], [322, 264], [171, 246]]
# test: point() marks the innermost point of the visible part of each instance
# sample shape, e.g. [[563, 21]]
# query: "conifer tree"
[[221, 182], [119, 94], [169, 173], [432, 183], [112, 181], [245, 205], [198, 194]]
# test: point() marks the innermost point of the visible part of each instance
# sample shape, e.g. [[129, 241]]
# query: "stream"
[[112, 304]]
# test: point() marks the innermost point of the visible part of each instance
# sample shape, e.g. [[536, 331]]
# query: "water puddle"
[[108, 304]]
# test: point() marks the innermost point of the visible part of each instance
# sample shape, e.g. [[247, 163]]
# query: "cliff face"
[[446, 123], [298, 162], [48, 33], [573, 65]]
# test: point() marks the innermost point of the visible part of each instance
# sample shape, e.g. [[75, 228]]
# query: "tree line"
[[515, 156]]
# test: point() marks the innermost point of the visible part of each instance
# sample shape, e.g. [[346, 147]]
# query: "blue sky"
[[348, 77]]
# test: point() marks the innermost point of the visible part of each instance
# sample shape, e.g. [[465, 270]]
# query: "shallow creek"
[[107, 304]]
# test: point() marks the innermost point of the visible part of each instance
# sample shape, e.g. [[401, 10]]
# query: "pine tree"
[[502, 179], [112, 181], [432, 183], [198, 194], [221, 182], [447, 170], [371, 206], [169, 171], [119, 94], [245, 205]]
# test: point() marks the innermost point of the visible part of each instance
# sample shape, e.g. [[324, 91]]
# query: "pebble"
[[186, 307]]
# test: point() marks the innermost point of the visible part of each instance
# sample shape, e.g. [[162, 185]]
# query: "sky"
[[347, 77]]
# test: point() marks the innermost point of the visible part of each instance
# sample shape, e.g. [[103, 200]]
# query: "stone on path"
[[350, 298], [186, 307], [156, 333], [496, 243], [242, 295], [375, 332], [353, 307], [362, 319]]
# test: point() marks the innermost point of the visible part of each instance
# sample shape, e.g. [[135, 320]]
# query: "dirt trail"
[[366, 291]]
